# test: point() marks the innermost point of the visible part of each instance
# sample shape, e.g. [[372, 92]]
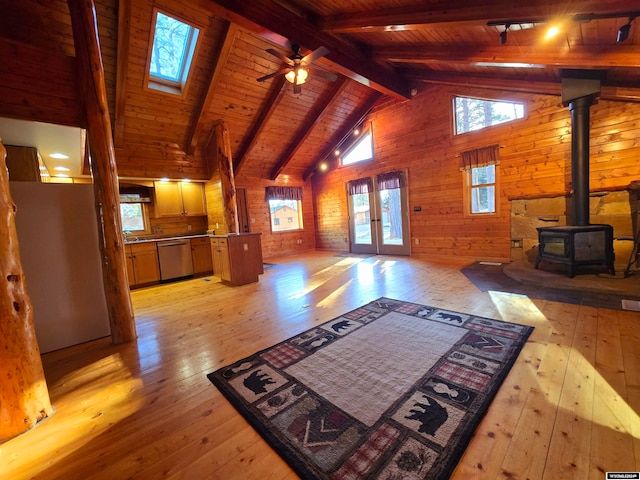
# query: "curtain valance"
[[390, 180], [284, 193], [480, 157], [360, 185]]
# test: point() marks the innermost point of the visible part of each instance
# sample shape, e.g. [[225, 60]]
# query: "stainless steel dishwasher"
[[175, 259]]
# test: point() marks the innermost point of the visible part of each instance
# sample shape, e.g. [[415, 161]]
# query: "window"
[[481, 188], [172, 51], [475, 114], [360, 151], [134, 217], [285, 208]]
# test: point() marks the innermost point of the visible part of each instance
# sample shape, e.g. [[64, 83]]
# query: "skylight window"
[[475, 114], [361, 151], [173, 48]]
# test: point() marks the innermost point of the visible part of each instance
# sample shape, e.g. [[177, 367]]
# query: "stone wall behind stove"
[[618, 209]]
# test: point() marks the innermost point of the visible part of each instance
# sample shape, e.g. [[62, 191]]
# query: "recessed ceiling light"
[[323, 167], [61, 175], [60, 168], [60, 156], [336, 153]]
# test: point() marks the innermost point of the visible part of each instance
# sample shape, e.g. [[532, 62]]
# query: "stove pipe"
[[580, 90], [580, 118]]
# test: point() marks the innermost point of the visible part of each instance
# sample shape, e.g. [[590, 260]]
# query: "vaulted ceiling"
[[380, 50]]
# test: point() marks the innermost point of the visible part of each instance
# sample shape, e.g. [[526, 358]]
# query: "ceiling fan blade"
[[274, 74], [317, 53], [286, 60], [332, 77]]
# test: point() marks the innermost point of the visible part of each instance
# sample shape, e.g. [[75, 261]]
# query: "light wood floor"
[[568, 409]]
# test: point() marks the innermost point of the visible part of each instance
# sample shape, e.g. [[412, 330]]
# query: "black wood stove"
[[576, 246], [581, 243]]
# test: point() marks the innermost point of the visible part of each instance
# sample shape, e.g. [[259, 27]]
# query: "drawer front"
[[214, 242], [223, 242], [143, 247], [200, 241]]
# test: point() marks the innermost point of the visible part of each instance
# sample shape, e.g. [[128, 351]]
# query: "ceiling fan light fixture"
[[301, 77]]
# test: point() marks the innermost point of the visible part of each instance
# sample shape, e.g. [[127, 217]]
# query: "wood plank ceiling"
[[377, 48]]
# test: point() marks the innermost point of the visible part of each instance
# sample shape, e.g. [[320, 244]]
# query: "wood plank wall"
[[278, 243], [535, 162]]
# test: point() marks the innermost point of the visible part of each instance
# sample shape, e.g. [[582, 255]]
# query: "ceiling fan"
[[296, 70]]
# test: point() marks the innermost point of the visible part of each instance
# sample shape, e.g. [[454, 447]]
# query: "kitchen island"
[[234, 258]]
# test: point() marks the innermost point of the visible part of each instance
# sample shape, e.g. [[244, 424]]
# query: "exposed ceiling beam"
[[275, 96], [354, 120], [223, 55], [591, 57], [305, 129], [419, 16], [271, 20], [523, 84], [122, 64]]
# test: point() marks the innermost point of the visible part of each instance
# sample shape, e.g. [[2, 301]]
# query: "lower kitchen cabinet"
[[237, 259], [201, 255], [142, 263]]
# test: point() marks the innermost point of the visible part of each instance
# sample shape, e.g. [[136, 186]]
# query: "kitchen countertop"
[[163, 238], [147, 239]]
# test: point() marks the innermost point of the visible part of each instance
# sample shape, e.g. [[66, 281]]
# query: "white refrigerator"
[[58, 239]]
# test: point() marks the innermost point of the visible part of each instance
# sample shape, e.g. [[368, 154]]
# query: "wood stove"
[[577, 245], [580, 243]]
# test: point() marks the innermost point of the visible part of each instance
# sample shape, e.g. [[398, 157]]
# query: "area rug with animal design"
[[390, 390]]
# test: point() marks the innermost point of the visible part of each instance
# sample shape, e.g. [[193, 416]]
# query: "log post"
[[24, 398], [103, 170], [227, 180]]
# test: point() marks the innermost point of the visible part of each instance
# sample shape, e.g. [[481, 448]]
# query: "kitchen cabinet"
[[201, 254], [237, 259], [220, 255], [142, 263], [179, 198]]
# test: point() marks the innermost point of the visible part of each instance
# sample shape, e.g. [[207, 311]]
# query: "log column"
[[103, 170], [227, 180], [24, 398]]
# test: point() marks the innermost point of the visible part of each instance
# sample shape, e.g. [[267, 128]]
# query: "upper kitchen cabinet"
[[179, 198]]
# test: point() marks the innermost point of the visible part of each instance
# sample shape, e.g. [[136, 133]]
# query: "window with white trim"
[[480, 173], [173, 46], [481, 185], [285, 208], [472, 114], [360, 151]]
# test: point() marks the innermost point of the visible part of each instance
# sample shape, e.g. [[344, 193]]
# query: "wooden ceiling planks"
[[444, 42]]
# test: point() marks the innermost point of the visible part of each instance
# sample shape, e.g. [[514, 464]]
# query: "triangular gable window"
[[173, 48], [360, 151]]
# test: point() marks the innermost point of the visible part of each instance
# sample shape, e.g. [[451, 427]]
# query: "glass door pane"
[[361, 218], [391, 216]]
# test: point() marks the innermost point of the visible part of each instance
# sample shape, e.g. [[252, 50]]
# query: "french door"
[[378, 218]]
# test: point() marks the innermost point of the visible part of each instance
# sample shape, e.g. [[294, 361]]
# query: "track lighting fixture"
[[526, 23], [623, 32], [503, 35]]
